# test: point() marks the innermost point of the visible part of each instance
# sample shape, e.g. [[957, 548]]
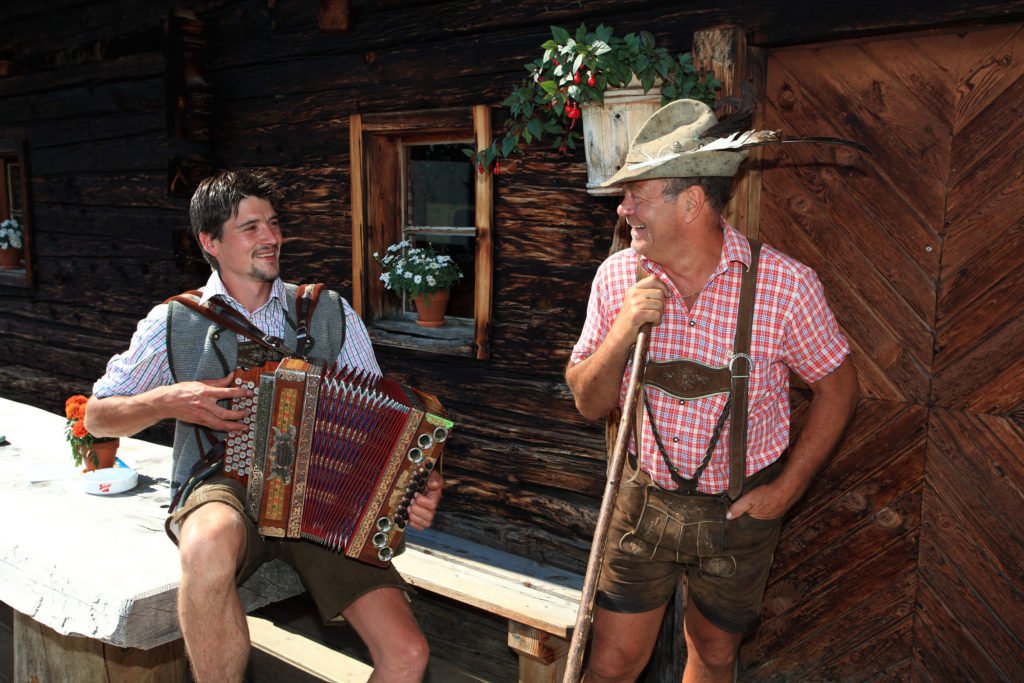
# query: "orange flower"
[[74, 407], [79, 430]]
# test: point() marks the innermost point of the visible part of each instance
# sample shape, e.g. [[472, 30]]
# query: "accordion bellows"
[[334, 455]]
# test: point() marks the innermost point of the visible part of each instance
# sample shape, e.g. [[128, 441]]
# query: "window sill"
[[13, 277], [455, 338]]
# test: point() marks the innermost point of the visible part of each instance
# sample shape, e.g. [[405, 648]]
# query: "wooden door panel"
[[907, 548]]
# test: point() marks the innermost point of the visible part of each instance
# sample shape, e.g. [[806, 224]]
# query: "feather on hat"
[[680, 140]]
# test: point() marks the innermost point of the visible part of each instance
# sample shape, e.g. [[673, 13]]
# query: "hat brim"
[[714, 164]]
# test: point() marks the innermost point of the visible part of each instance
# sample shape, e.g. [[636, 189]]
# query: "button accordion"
[[333, 455]]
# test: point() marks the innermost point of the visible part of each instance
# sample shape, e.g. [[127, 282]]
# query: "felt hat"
[[671, 144]]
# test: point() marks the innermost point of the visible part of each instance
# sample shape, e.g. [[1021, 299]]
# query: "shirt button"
[[693, 323], [675, 439]]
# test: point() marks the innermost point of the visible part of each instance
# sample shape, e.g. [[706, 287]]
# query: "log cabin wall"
[[124, 104]]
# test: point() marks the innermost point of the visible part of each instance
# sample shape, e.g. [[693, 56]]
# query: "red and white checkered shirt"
[[794, 329], [144, 365]]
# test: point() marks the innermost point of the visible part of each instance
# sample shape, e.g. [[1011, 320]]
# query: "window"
[[14, 203], [411, 181]]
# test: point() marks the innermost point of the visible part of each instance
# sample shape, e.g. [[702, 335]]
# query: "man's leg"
[[710, 651], [385, 622], [211, 547], [622, 643]]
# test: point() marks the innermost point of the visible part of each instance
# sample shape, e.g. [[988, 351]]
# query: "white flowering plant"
[[407, 269], [10, 234]]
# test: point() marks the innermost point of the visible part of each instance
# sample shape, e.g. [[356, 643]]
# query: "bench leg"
[[542, 656], [42, 654]]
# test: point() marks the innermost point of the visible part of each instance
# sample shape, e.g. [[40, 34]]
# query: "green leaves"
[[578, 68]]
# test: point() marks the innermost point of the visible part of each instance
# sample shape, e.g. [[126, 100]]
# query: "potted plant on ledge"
[[11, 241], [567, 88], [421, 274], [93, 452]]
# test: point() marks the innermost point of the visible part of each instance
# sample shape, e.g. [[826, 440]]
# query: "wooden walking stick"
[[585, 615]]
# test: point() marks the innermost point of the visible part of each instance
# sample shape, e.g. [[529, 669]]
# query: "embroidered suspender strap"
[[230, 319], [739, 368]]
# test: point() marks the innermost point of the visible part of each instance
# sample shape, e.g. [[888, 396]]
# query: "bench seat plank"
[[304, 654], [519, 589]]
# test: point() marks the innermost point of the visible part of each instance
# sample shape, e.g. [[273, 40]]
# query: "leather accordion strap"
[[740, 367], [230, 319], [306, 298]]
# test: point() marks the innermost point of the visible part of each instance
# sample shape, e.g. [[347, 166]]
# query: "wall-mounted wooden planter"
[[609, 128]]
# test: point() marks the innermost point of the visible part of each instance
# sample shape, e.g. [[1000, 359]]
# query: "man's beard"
[[264, 275]]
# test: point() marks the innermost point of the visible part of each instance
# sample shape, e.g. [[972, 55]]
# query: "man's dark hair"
[[718, 190], [217, 198]]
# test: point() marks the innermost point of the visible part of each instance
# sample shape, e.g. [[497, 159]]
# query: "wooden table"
[[93, 579]]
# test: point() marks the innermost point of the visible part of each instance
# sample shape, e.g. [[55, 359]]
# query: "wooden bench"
[[93, 579], [538, 602]]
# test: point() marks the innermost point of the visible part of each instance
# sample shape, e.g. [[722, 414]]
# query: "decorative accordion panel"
[[334, 455]]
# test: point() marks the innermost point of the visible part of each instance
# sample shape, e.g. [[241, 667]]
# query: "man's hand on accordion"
[[424, 505], [197, 402], [194, 402]]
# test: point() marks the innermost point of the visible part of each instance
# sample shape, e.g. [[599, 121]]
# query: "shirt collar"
[[215, 287], [734, 248]]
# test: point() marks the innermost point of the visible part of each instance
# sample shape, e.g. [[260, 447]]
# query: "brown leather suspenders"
[[740, 367], [306, 298], [688, 380]]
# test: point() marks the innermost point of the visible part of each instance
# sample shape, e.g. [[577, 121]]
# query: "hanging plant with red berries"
[[576, 70]]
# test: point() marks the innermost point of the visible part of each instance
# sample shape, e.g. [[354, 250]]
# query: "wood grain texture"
[[916, 244]]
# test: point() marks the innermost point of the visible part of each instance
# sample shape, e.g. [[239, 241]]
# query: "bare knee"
[[615, 664], [710, 647], [405, 661], [211, 545]]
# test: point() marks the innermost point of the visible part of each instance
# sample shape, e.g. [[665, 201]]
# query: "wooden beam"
[[484, 249], [355, 145], [42, 654], [542, 656], [726, 53]]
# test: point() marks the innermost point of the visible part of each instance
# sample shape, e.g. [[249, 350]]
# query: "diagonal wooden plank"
[[838, 617], [982, 479], [987, 61], [901, 123], [980, 317], [826, 198], [806, 113], [866, 308], [923, 66], [966, 373]]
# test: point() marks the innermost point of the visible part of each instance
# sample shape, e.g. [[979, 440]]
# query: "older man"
[[693, 498]]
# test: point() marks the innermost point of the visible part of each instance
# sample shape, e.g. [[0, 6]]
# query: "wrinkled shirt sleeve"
[[144, 365]]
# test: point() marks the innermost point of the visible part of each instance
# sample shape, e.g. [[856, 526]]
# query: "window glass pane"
[[14, 187], [440, 190]]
